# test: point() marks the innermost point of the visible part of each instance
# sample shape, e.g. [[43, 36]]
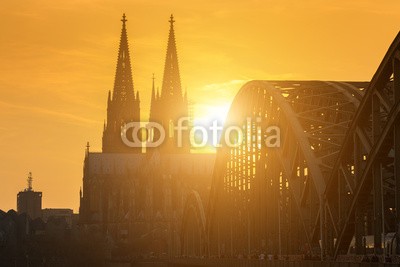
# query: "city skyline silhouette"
[[67, 64]]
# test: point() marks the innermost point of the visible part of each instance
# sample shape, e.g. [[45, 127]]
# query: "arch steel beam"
[[364, 162], [313, 118]]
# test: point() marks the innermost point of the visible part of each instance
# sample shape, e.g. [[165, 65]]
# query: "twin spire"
[[123, 84], [123, 105]]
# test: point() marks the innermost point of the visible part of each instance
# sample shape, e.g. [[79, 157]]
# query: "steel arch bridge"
[[329, 178]]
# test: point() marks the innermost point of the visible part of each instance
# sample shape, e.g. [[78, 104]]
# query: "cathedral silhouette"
[[123, 105], [136, 196]]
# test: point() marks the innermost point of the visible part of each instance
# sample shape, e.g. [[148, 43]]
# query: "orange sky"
[[57, 62]]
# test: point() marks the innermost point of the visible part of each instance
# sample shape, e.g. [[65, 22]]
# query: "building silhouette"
[[137, 197], [29, 201], [64, 214]]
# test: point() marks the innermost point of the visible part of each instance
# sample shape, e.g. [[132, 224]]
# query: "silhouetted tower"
[[29, 201], [171, 105], [123, 106]]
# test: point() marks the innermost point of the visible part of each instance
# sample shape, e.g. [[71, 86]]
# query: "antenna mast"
[[30, 179]]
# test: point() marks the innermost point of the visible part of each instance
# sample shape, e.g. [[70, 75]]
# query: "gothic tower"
[[123, 106], [171, 105]]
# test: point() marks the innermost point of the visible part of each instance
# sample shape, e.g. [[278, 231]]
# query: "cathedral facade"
[[136, 196]]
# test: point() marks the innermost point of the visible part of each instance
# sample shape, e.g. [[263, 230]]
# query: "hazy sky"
[[58, 58]]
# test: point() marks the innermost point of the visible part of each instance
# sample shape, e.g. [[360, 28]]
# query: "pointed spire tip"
[[124, 20], [171, 20]]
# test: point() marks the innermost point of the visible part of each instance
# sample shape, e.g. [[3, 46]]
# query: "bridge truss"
[[330, 178]]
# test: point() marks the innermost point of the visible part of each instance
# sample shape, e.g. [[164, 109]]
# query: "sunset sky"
[[58, 58]]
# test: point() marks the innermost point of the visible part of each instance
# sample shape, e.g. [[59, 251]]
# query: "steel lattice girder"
[[370, 150], [339, 144], [313, 117]]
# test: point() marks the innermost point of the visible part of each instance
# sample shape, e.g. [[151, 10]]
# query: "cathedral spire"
[[124, 20], [171, 106], [171, 81], [123, 84], [122, 105]]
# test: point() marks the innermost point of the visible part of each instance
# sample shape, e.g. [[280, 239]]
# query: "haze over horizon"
[[58, 63]]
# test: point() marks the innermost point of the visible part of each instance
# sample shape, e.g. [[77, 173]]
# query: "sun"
[[209, 113], [206, 116]]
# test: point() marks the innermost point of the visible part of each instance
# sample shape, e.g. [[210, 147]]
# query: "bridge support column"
[[358, 217], [377, 178], [378, 209], [359, 230]]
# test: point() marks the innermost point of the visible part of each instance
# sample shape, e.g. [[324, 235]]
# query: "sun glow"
[[205, 116], [210, 113]]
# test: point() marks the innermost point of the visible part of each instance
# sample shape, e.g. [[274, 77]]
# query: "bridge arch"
[[332, 179], [270, 199], [193, 237]]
